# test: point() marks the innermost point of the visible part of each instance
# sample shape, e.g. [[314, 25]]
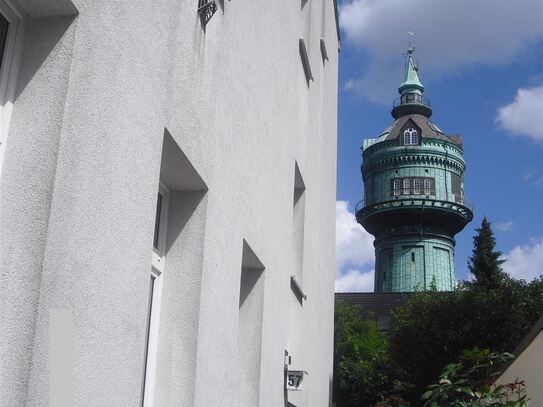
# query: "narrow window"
[[305, 61], [406, 190], [4, 25], [427, 187], [155, 283], [416, 186], [157, 220], [412, 257], [396, 187]]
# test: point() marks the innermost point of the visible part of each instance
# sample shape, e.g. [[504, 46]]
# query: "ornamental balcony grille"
[[411, 98], [206, 9], [463, 209]]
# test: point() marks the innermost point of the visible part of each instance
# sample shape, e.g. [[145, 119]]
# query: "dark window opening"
[[4, 25], [157, 220], [412, 186]]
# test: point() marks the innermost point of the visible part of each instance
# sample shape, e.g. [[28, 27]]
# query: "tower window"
[[427, 186], [406, 186], [413, 257], [410, 137], [416, 186], [396, 187], [412, 186]]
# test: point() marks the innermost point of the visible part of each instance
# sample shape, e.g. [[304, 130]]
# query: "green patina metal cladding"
[[414, 229]]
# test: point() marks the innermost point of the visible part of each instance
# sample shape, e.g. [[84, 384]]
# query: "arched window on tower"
[[410, 137], [427, 187], [416, 186], [396, 187], [406, 186]]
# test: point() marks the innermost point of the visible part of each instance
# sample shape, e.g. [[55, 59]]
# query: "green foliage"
[[470, 383], [485, 262], [433, 328], [363, 372]]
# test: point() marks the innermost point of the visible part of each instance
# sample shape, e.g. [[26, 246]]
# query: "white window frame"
[[410, 137], [427, 186], [406, 189], [396, 186], [158, 261], [416, 186], [9, 68]]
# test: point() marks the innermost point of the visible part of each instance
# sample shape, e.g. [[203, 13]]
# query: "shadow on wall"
[[183, 204], [41, 36]]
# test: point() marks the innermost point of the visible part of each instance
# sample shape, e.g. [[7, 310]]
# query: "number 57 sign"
[[295, 379]]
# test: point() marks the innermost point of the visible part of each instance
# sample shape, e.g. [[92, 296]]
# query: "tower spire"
[[411, 100], [411, 82]]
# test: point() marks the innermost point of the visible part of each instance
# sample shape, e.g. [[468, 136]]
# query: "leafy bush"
[[470, 383]]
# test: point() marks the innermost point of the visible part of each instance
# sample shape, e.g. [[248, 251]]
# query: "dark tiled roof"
[[374, 306], [428, 129]]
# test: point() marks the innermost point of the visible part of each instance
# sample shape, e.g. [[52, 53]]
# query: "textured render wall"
[[26, 186], [87, 160], [529, 367]]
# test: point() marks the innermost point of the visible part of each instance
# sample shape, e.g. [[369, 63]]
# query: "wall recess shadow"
[[41, 36]]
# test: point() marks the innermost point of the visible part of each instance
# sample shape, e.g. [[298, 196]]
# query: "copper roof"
[[427, 127]]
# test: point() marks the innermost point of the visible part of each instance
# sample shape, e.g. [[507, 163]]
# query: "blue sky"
[[482, 67]]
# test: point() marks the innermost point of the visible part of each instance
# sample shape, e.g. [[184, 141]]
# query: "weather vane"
[[411, 34]]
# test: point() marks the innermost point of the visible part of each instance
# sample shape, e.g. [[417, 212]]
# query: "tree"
[[471, 383], [363, 374], [433, 328], [485, 262]]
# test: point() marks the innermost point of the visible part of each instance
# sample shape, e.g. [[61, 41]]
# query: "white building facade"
[[167, 202]]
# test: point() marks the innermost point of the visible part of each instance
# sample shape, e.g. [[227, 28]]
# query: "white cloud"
[[449, 35], [526, 261], [523, 116], [354, 246], [504, 226], [354, 251], [355, 281], [532, 177]]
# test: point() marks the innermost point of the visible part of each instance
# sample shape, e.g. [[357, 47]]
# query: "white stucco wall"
[[528, 366], [78, 186]]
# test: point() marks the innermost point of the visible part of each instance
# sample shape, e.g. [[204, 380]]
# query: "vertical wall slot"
[[298, 232], [251, 311], [305, 61]]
